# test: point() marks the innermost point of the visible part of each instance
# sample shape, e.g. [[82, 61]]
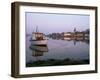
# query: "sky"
[[55, 23]]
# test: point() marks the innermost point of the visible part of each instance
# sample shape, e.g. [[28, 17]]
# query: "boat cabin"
[[38, 36]]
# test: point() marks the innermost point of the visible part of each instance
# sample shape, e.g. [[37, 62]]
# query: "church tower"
[[74, 29]]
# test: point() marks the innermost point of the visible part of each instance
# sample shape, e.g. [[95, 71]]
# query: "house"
[[79, 34], [67, 34]]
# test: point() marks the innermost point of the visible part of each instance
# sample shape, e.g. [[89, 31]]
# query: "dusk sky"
[[50, 23]]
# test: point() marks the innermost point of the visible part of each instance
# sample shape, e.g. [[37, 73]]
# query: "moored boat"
[[38, 38], [39, 42]]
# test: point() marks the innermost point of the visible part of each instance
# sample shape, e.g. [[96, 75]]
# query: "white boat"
[[38, 38], [39, 42]]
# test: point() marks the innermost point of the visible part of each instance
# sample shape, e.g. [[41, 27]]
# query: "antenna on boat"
[[36, 28]]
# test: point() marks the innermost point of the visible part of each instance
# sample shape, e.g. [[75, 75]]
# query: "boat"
[[38, 38]]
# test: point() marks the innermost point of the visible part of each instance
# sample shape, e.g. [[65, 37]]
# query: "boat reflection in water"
[[38, 51]]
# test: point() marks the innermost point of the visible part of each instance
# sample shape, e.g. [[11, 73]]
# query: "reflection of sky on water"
[[60, 49]]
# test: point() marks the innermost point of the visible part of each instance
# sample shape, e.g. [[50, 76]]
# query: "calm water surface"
[[57, 49]]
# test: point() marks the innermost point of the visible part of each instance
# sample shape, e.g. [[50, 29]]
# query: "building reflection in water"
[[77, 39], [74, 39], [74, 36], [38, 51]]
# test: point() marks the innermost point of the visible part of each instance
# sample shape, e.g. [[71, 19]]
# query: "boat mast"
[[36, 28]]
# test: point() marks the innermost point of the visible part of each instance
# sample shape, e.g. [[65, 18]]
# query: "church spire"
[[74, 29]]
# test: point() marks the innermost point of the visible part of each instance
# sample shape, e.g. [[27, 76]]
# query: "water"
[[57, 50]]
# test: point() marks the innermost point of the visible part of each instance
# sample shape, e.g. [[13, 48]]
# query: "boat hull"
[[39, 42]]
